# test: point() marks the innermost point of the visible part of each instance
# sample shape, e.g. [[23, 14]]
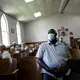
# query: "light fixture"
[[27, 1], [37, 14]]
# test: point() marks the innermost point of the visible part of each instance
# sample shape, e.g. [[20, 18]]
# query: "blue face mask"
[[51, 37]]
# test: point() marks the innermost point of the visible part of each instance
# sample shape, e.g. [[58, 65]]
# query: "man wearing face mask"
[[52, 56]]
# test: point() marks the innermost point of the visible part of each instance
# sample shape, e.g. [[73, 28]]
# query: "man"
[[4, 54], [52, 56], [14, 46]]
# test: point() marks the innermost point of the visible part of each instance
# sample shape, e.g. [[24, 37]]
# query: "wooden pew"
[[24, 54], [28, 69], [17, 56], [8, 70], [75, 53], [75, 61], [33, 53]]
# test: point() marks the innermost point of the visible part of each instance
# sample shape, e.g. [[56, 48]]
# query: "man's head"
[[52, 31], [14, 44], [52, 34], [2, 48]]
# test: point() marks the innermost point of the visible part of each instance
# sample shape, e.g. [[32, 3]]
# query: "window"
[[4, 30], [18, 33]]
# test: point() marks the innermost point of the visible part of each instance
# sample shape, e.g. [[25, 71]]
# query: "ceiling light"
[[37, 14], [27, 1]]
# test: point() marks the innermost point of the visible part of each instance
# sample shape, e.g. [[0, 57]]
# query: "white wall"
[[12, 25], [0, 29], [37, 30], [22, 31]]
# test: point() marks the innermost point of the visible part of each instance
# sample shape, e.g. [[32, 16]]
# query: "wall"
[[12, 25], [37, 30], [22, 31], [0, 29]]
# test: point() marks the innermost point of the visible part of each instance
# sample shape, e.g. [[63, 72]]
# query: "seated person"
[[4, 54], [14, 47], [23, 47]]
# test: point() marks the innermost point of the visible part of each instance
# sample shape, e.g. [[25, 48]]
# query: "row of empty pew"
[[26, 70]]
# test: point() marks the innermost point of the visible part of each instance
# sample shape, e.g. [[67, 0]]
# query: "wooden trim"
[[34, 42]]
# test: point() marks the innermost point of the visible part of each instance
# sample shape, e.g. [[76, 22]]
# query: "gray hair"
[[2, 46]]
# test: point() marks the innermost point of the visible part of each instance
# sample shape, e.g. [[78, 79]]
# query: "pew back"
[[28, 69]]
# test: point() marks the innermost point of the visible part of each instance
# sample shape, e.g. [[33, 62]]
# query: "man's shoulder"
[[43, 44], [62, 45], [5, 52]]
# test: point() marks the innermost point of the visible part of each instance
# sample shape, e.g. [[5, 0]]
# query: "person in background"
[[62, 41], [53, 57], [15, 47], [4, 54], [23, 50], [22, 47]]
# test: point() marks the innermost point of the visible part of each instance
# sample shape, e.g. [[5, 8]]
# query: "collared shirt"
[[14, 48], [53, 55], [6, 54]]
